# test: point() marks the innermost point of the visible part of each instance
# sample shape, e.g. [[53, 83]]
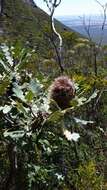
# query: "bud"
[[62, 91]]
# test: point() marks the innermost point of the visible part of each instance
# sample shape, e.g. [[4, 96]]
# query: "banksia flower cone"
[[62, 91]]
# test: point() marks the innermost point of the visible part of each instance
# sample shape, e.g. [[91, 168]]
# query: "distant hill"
[[76, 23], [23, 20]]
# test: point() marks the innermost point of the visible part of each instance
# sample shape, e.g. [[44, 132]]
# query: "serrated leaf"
[[18, 92], [35, 86], [14, 134], [44, 141], [94, 95], [81, 101], [83, 122], [6, 109], [56, 116]]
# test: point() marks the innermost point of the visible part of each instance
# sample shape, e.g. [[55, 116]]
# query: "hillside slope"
[[23, 20]]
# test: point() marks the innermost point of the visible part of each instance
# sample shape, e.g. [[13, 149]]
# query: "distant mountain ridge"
[[95, 21]]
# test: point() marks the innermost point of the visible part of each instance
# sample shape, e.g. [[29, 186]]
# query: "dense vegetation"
[[42, 146]]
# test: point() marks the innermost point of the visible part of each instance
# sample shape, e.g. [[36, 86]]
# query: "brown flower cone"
[[62, 91]]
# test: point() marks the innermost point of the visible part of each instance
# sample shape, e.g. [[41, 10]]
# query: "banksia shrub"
[[62, 91]]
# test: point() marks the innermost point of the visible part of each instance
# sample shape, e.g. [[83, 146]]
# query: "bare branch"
[[51, 6], [104, 9], [87, 27], [57, 4], [99, 3]]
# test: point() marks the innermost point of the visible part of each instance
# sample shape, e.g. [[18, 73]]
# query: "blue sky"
[[75, 7]]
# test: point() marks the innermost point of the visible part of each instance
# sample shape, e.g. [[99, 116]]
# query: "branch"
[[57, 4], [87, 28], [54, 32], [104, 8]]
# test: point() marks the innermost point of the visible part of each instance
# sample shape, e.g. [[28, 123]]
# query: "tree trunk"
[[1, 7]]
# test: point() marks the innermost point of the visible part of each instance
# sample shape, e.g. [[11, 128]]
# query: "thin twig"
[[104, 9]]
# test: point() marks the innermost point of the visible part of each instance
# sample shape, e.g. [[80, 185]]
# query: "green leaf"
[[56, 116], [35, 86], [5, 66], [4, 85], [29, 96], [83, 122], [44, 141], [18, 92], [74, 103], [81, 101], [21, 108], [37, 168], [6, 109], [94, 95], [14, 134]]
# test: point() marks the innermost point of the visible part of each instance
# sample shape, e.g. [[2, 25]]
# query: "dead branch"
[[104, 10], [52, 6]]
